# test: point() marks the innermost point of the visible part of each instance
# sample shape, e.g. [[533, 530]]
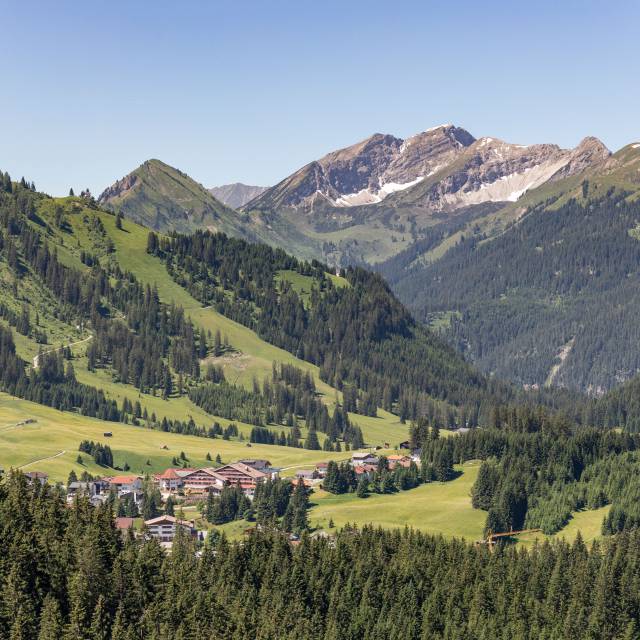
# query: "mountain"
[[442, 205], [370, 201], [544, 291], [236, 195], [163, 198], [147, 314]]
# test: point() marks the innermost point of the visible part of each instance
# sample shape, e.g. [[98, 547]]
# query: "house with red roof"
[[125, 484], [171, 480]]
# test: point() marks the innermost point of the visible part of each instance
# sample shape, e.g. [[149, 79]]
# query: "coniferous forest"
[[68, 572], [560, 282]]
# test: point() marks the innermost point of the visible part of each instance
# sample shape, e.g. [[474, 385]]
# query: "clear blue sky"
[[250, 91]]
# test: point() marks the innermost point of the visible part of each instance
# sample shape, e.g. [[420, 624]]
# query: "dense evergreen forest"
[[358, 333], [562, 281], [69, 573], [537, 472]]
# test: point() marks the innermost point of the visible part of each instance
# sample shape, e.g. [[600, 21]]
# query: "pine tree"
[[99, 629], [363, 487], [50, 620]]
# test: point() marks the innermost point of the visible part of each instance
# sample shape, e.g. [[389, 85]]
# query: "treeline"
[[68, 572], [277, 503], [342, 478], [358, 334]]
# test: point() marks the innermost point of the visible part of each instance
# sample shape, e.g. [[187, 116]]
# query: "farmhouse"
[[358, 459], [37, 476], [165, 528]]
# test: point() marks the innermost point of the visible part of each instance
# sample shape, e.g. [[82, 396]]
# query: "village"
[[187, 487]]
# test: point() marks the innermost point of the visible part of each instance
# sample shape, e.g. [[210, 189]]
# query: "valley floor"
[[50, 444]]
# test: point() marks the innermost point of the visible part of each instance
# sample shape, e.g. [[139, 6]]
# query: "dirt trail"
[[57, 455], [73, 344]]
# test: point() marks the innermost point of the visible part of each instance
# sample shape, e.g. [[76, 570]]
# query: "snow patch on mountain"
[[509, 188], [366, 196], [440, 126]]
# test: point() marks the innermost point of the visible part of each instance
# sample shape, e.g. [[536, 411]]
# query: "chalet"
[[203, 481], [242, 474], [358, 459], [170, 480], [37, 476], [96, 490], [125, 484], [321, 469], [165, 528]]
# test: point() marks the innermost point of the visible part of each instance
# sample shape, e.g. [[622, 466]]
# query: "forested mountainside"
[[352, 327], [69, 571], [63, 276], [553, 300], [64, 279], [442, 203]]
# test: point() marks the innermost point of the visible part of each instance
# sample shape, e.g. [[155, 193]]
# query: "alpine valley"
[[524, 257], [197, 426]]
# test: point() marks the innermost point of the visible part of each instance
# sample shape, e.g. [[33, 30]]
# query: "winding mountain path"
[[73, 344], [57, 455]]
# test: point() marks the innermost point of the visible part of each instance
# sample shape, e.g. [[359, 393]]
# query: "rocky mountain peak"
[[237, 194]]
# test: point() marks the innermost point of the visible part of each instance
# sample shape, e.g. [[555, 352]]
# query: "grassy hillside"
[[435, 507], [70, 227], [51, 444], [164, 198]]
